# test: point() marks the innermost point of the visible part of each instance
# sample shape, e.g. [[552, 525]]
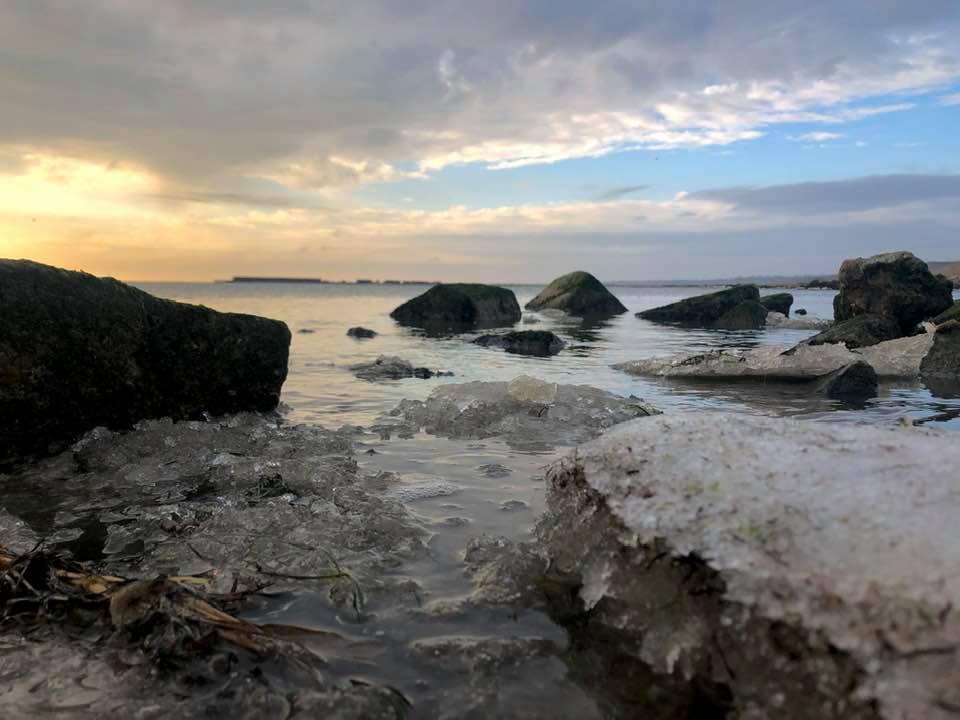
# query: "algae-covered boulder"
[[707, 310], [778, 302], [809, 569], [748, 315], [860, 331], [856, 381], [943, 359], [952, 313], [540, 343], [78, 351], [897, 285], [577, 293], [460, 306]]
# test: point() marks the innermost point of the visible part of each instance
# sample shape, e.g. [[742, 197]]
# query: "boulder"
[[361, 333], [460, 306], [388, 367], [801, 311], [703, 310], [856, 381], [951, 313], [859, 331], [525, 342], [823, 284], [577, 293], [748, 315], [77, 352], [807, 569], [897, 285], [778, 302], [943, 360], [900, 358]]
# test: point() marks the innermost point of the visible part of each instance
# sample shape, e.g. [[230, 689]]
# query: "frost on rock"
[[894, 358], [525, 411], [810, 569]]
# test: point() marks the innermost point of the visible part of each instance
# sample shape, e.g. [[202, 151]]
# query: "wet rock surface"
[[943, 360], [897, 285], [525, 412], [387, 367], [952, 313], [78, 351], [857, 381], [778, 302], [361, 333], [540, 343], [823, 584], [578, 293], [859, 331], [748, 315], [779, 320], [460, 307], [713, 310]]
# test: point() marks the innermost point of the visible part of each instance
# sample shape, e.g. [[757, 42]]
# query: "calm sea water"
[[321, 388]]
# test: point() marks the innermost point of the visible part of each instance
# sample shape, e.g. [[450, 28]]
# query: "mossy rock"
[[748, 315], [460, 307], [707, 310], [952, 313], [778, 302], [578, 293]]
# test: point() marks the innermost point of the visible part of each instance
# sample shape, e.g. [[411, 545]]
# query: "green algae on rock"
[[460, 306], [577, 293]]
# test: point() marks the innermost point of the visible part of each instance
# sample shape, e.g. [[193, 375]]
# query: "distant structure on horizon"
[[321, 281]]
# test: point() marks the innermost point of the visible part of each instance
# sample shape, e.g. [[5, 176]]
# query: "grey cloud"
[[619, 192], [854, 195]]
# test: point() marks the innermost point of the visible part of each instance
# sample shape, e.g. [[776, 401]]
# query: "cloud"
[[817, 137], [950, 100], [619, 192], [839, 196], [197, 92]]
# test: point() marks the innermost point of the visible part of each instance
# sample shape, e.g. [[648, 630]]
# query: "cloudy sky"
[[503, 140]]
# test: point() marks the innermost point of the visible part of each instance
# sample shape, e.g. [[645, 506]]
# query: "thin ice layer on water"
[[525, 411]]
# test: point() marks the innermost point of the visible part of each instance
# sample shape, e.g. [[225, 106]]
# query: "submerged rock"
[[778, 302], [856, 381], [388, 367], [800, 311], [733, 306], [460, 306], [577, 293], [805, 570], [859, 331], [894, 358], [78, 351], [525, 411], [897, 285], [541, 343], [779, 320], [361, 333]]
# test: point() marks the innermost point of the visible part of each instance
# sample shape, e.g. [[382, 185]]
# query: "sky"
[[499, 141]]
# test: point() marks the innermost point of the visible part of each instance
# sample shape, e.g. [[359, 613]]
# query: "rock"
[[859, 331], [361, 333], [460, 307], [703, 310], [541, 343], [77, 352], [577, 293], [823, 284], [778, 320], [778, 302], [898, 358], [526, 412], [388, 367], [897, 285], [748, 315], [943, 360], [800, 311], [952, 313], [306, 331], [855, 381], [808, 569]]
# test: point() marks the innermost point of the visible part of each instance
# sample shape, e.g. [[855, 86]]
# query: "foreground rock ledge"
[[77, 352], [811, 569]]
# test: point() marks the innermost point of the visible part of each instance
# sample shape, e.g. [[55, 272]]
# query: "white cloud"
[[950, 100], [817, 137]]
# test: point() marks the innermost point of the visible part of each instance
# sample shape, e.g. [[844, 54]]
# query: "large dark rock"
[[577, 293], [77, 352], [943, 359], [460, 306], [856, 381], [897, 285], [861, 331], [748, 315], [361, 333], [703, 310], [952, 313], [778, 302], [541, 343]]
